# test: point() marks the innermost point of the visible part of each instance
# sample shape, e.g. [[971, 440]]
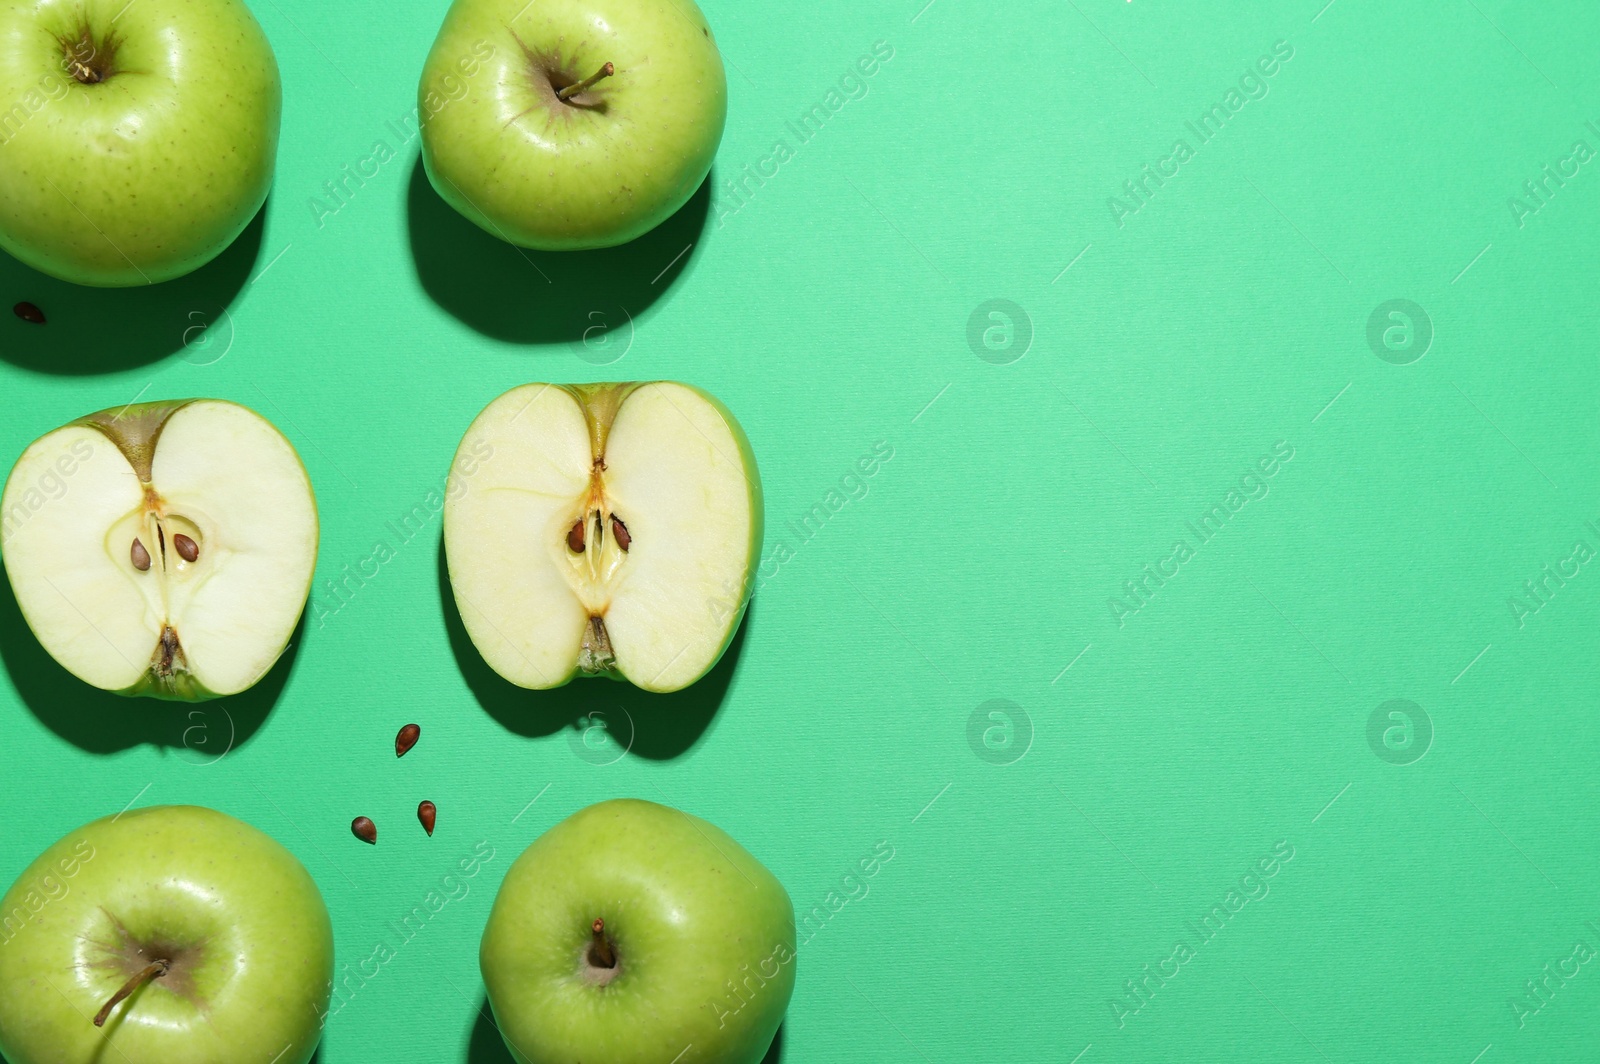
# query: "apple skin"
[[261, 945], [152, 172], [610, 165], [692, 914]]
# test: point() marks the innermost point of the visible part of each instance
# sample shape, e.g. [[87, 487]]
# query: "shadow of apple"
[[547, 297], [104, 330], [659, 727], [485, 1046], [100, 722]]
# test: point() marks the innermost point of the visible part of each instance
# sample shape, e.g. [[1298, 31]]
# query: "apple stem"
[[573, 90], [601, 954], [151, 971]]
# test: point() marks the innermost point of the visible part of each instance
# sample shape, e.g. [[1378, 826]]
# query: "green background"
[[1049, 847]]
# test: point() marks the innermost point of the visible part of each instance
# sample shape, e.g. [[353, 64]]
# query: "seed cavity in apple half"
[[164, 549], [603, 530]]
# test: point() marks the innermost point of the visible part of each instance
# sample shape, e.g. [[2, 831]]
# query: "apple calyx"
[[572, 90], [87, 61], [153, 970]]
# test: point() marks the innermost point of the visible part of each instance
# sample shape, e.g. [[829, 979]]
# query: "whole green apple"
[[633, 933], [569, 124], [173, 934], [137, 140]]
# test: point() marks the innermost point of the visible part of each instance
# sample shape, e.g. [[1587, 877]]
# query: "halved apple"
[[164, 549], [612, 529]]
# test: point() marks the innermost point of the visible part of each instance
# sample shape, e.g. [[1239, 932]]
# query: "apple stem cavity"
[[599, 75], [151, 971], [601, 953]]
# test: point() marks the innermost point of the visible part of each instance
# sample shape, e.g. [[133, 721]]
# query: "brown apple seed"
[[29, 313], [406, 739], [575, 537], [139, 556], [187, 548], [428, 813], [620, 531], [365, 830]]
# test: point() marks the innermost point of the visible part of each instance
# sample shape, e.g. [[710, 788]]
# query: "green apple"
[[169, 935], [163, 549], [569, 124], [633, 933], [603, 529], [136, 139]]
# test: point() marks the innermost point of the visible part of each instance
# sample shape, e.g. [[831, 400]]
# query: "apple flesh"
[[140, 137], [164, 549], [570, 124], [233, 925], [612, 529], [634, 933]]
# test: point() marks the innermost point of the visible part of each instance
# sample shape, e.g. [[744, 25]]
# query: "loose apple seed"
[[29, 313], [139, 556], [406, 739], [428, 813], [188, 549], [365, 830]]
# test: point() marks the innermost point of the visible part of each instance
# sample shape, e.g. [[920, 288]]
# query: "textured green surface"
[[829, 308]]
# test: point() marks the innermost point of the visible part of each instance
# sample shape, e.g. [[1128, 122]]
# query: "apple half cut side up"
[[606, 529], [164, 549]]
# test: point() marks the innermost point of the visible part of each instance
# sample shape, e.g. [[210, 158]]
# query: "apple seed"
[[428, 813], [139, 556], [29, 313], [575, 537], [406, 739], [188, 549], [620, 531], [365, 830]]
